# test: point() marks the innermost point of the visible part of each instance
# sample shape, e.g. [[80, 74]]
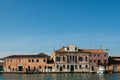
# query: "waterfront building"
[[23, 63], [114, 64], [1, 65], [71, 58], [97, 57]]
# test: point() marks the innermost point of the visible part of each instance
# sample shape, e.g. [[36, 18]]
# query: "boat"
[[101, 70]]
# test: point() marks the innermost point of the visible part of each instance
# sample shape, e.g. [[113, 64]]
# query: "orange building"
[[40, 62]]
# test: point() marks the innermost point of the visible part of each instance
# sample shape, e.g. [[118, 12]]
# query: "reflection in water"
[[63, 76], [101, 77]]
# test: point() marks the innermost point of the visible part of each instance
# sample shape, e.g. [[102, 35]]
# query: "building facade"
[[114, 64], [71, 59], [97, 57], [24, 63], [1, 65]]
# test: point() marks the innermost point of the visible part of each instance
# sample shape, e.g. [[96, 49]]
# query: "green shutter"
[[1, 68]]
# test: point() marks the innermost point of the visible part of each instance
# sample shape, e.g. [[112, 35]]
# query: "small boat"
[[101, 70]]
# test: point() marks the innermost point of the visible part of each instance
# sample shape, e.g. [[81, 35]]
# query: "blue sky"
[[34, 26]]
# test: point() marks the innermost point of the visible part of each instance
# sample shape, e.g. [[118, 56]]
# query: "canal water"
[[64, 76]]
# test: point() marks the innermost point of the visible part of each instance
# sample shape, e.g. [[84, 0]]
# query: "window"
[[90, 61], [57, 66], [63, 58], [37, 60], [29, 60], [32, 60], [50, 68], [94, 61], [86, 59], [105, 55], [45, 67], [8, 67], [94, 55], [80, 66], [90, 55], [80, 58], [67, 48], [57, 58], [105, 61], [98, 61], [98, 55], [28, 67], [34, 68], [64, 66], [44, 60], [67, 66], [75, 59], [13, 69], [75, 66], [70, 58], [86, 66], [39, 67], [75, 48]]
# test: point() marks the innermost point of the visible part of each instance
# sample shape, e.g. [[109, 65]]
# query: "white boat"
[[101, 70]]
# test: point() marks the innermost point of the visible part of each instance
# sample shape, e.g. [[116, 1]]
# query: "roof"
[[50, 61], [82, 50], [115, 57], [41, 55], [94, 50], [114, 60]]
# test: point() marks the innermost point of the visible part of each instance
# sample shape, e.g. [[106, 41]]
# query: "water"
[[64, 76]]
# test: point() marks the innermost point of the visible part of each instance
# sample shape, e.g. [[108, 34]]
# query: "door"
[[60, 68], [92, 68], [72, 67], [20, 68], [1, 68], [115, 68]]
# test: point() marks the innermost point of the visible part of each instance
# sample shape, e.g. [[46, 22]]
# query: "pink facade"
[[97, 59]]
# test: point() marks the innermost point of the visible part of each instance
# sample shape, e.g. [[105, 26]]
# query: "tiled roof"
[[83, 50], [94, 50], [41, 55]]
